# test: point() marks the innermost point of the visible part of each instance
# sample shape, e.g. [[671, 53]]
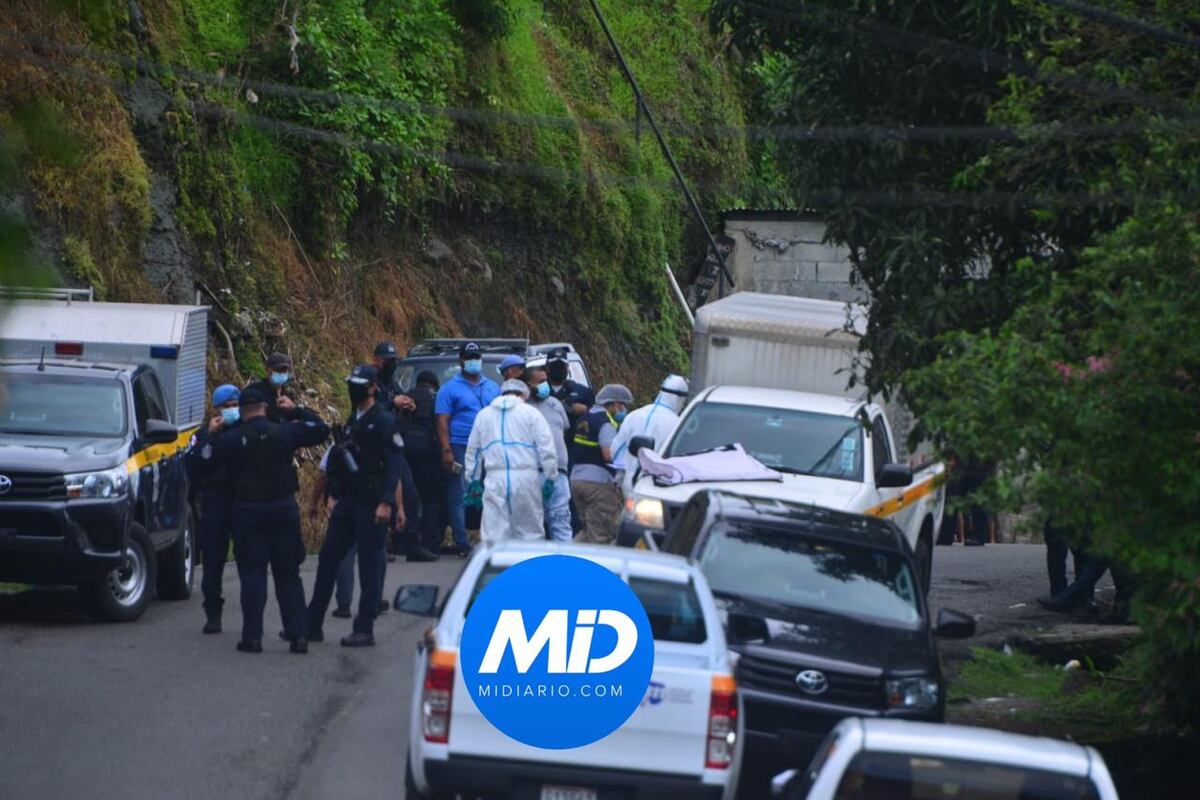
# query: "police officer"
[[275, 388], [266, 518], [214, 503], [364, 485]]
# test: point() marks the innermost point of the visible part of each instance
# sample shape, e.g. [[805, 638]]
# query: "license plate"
[[568, 793]]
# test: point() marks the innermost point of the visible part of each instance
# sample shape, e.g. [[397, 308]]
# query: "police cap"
[[362, 375]]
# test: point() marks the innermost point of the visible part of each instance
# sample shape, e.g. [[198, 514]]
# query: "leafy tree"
[[1017, 183]]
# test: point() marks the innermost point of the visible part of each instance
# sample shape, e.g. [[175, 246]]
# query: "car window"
[[444, 368], [801, 442], [156, 406], [46, 405], [783, 567], [673, 609], [898, 776], [881, 451]]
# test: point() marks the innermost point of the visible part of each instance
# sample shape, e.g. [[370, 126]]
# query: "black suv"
[[825, 612], [92, 484]]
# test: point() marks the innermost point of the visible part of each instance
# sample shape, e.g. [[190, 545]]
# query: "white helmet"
[[673, 392]]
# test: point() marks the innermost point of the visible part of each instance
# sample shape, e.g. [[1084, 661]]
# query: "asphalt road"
[[155, 709]]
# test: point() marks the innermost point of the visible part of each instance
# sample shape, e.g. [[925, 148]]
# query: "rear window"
[[444, 368], [673, 608], [899, 776]]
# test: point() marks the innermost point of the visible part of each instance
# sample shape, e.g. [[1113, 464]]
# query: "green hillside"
[[329, 172]]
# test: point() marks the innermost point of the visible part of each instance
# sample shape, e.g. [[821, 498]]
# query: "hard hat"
[[614, 393]]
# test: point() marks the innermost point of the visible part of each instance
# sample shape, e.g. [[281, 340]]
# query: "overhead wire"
[[905, 197], [1124, 22]]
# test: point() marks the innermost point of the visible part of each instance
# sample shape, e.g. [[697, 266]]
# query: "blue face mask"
[[620, 415], [230, 415], [473, 366], [543, 390], [279, 378]]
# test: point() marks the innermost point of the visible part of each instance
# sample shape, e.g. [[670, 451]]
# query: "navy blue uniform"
[[376, 447], [266, 519], [214, 502]]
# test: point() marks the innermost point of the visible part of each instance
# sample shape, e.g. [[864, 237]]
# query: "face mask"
[[543, 390], [557, 374], [279, 378], [388, 369], [473, 366], [620, 415], [358, 393], [230, 415]]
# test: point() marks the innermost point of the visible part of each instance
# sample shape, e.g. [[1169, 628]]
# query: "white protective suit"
[[656, 420], [511, 446]]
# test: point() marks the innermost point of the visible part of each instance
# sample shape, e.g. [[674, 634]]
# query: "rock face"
[[438, 251]]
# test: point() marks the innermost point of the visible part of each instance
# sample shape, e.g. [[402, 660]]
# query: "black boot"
[[415, 551], [212, 622], [299, 646], [358, 640], [249, 646]]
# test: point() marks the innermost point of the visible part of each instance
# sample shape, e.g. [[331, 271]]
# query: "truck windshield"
[[800, 442], [50, 405], [783, 567], [444, 368]]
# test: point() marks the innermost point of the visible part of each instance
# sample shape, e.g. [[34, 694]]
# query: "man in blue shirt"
[[458, 401]]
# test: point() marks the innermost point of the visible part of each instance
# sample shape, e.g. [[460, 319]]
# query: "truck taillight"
[[68, 348], [722, 723], [435, 700]]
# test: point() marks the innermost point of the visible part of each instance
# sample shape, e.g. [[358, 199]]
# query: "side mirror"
[[159, 432], [638, 442], [953, 624], [417, 598], [893, 476], [746, 628], [782, 783]]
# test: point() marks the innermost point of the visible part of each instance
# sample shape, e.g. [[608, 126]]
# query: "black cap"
[[386, 350], [363, 375], [428, 376], [470, 350], [278, 361], [251, 395]]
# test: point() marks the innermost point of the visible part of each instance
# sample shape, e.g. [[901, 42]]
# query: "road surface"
[[155, 709]]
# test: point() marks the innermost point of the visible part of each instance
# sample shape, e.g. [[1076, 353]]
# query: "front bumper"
[[784, 732], [524, 780], [58, 542]]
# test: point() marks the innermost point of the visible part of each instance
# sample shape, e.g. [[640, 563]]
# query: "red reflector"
[[68, 348]]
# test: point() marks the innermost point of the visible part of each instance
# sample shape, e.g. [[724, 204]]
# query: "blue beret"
[[224, 393]]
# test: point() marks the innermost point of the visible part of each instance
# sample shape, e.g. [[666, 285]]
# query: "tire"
[[123, 594], [177, 564], [923, 555]]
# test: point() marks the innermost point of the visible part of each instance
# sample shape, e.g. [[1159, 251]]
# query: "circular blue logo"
[[557, 652]]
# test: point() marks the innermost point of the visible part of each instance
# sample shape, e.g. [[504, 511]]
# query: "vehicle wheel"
[[177, 564], [924, 557], [123, 594]]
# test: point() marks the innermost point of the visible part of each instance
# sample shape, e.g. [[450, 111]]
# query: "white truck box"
[[171, 338], [781, 342]]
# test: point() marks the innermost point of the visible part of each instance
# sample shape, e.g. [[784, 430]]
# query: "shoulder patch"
[[206, 451], [397, 440]]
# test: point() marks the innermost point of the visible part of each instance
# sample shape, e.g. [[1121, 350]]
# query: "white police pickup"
[[683, 741]]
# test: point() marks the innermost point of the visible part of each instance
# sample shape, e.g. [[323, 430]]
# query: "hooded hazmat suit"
[[511, 447], [656, 420]]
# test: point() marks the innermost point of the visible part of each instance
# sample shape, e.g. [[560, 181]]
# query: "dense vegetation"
[[311, 149], [1018, 181]]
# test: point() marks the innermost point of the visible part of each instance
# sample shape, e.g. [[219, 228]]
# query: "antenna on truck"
[[42, 361]]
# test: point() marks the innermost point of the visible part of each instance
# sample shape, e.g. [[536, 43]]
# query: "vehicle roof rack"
[[65, 294], [431, 347]]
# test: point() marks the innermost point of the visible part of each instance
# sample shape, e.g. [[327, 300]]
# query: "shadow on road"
[[44, 606]]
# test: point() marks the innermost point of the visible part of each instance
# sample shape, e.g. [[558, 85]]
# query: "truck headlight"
[[918, 693], [645, 511], [105, 483]]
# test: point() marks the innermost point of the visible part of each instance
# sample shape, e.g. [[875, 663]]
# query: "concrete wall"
[[786, 256]]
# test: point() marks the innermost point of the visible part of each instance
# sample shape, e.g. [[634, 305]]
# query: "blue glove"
[[474, 498], [547, 489]]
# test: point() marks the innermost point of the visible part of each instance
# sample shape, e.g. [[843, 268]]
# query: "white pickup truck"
[[684, 741], [833, 452]]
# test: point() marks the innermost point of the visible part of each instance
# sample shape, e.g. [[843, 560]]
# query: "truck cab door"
[[161, 479], [883, 454]]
